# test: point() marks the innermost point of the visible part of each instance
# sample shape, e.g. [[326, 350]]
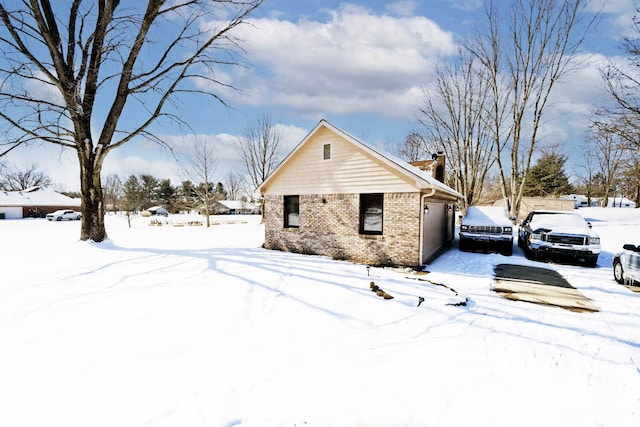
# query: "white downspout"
[[422, 215]]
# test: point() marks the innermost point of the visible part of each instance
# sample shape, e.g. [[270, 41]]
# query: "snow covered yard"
[[196, 326]]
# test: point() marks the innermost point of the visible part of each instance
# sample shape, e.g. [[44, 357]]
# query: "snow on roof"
[[620, 201], [36, 196], [236, 204]]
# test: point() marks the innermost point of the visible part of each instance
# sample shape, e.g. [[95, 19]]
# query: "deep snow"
[[196, 326]]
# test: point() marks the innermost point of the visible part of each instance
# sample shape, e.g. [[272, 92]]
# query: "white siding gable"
[[348, 170]]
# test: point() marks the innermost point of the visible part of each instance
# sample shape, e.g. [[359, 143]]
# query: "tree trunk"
[[92, 200]]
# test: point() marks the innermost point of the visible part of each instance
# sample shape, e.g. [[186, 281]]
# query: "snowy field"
[[195, 326]]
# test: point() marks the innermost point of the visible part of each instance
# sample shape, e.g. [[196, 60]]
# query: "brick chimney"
[[434, 167]]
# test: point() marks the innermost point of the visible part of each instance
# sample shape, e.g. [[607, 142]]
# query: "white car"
[[487, 226], [626, 265], [64, 214]]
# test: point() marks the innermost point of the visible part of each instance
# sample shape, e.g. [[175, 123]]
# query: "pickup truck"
[[64, 214], [488, 226], [559, 233]]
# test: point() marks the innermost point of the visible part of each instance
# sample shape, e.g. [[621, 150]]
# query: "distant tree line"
[[258, 148], [139, 192]]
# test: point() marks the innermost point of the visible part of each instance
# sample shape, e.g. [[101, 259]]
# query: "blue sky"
[[359, 64]]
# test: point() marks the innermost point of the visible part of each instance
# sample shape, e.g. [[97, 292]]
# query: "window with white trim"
[[371, 213], [291, 211]]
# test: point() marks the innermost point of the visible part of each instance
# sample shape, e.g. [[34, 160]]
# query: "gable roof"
[[422, 179], [36, 196]]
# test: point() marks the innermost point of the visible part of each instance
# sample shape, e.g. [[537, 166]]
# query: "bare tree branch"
[[66, 60], [527, 49]]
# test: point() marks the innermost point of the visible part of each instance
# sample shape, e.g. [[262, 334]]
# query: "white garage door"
[[11, 212]]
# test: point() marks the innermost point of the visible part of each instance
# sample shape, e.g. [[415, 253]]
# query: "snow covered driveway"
[[189, 326]]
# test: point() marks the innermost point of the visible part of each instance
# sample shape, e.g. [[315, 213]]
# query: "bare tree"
[[414, 148], [630, 176], [587, 172], [623, 84], [453, 117], [235, 185], [113, 192], [610, 150], [201, 169], [13, 178], [259, 148], [131, 190], [527, 47], [77, 66]]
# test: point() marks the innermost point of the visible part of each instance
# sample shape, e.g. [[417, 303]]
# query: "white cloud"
[[616, 20], [128, 161], [142, 157], [355, 62], [612, 6], [38, 89], [402, 7], [466, 5], [579, 91]]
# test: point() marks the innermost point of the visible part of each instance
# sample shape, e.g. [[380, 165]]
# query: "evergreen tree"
[[167, 195], [547, 177], [149, 186], [132, 194], [186, 196]]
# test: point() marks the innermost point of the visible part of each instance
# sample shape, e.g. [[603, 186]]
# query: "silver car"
[[626, 265]]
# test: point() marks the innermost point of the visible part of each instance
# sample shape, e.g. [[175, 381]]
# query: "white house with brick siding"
[[334, 195], [34, 202]]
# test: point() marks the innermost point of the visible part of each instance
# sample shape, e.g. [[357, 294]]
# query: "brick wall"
[[329, 225]]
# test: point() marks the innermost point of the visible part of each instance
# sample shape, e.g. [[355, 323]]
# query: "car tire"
[[463, 245], [59, 218], [591, 261], [618, 272], [507, 249], [530, 253]]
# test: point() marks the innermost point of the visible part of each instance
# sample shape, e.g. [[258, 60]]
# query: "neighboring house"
[[155, 211], [620, 202], [336, 196], [580, 201], [35, 202], [529, 204], [236, 207]]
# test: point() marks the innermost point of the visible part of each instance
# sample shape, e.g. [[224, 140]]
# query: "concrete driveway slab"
[[540, 286]]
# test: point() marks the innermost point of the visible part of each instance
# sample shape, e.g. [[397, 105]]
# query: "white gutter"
[[422, 214]]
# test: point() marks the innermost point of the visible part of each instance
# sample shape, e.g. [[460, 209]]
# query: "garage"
[[10, 212], [35, 202]]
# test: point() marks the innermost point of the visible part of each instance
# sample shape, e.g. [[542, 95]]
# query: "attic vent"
[[326, 151]]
